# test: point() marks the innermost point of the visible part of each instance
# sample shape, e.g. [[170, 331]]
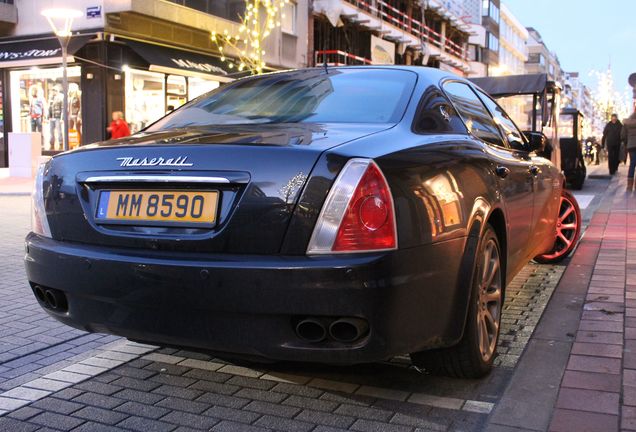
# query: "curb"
[[15, 193], [528, 401]]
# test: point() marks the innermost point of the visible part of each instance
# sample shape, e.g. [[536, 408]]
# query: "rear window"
[[313, 95]]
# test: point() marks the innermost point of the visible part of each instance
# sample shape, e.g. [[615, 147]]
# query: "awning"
[[174, 61], [38, 51], [514, 84]]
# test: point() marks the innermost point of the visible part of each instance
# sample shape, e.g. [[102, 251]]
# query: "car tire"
[[473, 356], [568, 230]]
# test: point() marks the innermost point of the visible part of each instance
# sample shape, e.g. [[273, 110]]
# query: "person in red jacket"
[[118, 127]]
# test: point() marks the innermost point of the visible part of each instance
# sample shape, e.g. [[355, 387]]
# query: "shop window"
[[199, 86], [145, 98], [288, 18], [38, 101], [176, 92]]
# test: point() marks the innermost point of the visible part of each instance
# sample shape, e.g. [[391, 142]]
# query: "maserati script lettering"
[[181, 161]]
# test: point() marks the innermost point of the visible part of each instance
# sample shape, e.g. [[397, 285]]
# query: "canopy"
[[515, 84], [174, 61], [38, 51]]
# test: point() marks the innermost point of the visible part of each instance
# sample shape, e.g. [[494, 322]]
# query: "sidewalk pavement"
[[14, 185], [598, 388]]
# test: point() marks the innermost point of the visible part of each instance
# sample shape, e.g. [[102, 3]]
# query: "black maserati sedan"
[[330, 215]]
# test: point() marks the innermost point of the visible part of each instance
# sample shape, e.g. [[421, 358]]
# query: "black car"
[[334, 215]]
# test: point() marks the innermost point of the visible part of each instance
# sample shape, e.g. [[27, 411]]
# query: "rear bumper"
[[247, 305]]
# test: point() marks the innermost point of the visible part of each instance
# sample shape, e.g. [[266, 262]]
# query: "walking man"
[[612, 142], [629, 136]]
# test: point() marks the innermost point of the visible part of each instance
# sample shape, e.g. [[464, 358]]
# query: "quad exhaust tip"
[[51, 298], [344, 330], [311, 330], [40, 294], [348, 329]]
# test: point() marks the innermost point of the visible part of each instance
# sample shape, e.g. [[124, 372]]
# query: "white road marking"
[[120, 352], [583, 200], [104, 359], [475, 406]]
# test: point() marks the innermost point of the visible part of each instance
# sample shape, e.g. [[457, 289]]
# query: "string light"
[[258, 21], [606, 99]]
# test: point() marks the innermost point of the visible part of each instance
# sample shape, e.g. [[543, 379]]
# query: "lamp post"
[[61, 21]]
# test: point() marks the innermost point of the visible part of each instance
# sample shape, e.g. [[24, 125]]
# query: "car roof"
[[428, 74]]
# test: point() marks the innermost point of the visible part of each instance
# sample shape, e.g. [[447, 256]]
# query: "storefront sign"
[[25, 55], [94, 12], [382, 51], [37, 51], [202, 67]]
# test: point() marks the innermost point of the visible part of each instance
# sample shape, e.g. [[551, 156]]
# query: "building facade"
[[484, 44], [577, 95], [540, 58], [142, 57], [349, 32], [513, 52]]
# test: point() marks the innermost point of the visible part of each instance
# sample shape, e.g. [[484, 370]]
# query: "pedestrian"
[[118, 127], [628, 135], [612, 142], [36, 109]]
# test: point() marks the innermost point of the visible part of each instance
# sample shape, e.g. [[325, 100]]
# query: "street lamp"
[[61, 20]]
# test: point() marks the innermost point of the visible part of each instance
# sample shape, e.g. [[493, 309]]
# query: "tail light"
[[358, 214], [39, 221]]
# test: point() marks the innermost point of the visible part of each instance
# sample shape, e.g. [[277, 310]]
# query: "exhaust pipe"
[[348, 329], [39, 293], [311, 330], [51, 299]]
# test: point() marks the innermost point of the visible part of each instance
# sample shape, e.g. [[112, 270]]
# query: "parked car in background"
[[333, 215]]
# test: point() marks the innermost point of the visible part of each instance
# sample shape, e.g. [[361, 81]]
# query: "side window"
[[475, 115], [508, 127], [435, 114]]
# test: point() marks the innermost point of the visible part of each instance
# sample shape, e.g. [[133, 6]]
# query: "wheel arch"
[[497, 220], [483, 214]]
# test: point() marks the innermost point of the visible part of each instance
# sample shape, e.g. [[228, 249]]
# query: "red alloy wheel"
[[567, 230]]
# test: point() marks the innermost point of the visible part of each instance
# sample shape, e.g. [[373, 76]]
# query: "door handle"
[[502, 171], [534, 170]]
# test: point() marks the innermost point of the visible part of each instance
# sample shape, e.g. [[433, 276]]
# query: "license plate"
[[165, 207]]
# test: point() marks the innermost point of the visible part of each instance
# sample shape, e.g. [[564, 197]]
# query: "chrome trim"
[[155, 179]]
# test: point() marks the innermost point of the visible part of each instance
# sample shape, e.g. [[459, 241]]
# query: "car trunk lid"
[[255, 173]]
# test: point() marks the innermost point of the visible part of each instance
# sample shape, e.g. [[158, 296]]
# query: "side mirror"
[[536, 141]]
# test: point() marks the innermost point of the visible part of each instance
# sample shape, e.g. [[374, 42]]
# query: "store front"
[[170, 79], [31, 92], [37, 101], [143, 80]]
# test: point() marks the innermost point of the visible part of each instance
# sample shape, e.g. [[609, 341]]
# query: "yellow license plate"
[[164, 207]]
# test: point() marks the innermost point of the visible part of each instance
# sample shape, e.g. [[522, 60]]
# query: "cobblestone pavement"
[[55, 378], [31, 343]]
